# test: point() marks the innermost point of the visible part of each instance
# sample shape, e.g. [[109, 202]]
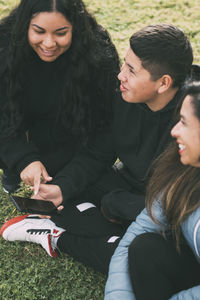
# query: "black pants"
[[90, 238], [157, 270]]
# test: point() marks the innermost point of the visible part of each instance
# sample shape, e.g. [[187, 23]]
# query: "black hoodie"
[[137, 136]]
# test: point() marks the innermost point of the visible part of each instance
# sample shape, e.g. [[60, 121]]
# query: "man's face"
[[136, 83]]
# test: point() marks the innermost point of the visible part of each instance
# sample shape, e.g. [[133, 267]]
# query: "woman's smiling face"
[[50, 35], [187, 134]]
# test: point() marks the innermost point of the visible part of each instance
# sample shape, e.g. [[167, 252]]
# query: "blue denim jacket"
[[118, 285]]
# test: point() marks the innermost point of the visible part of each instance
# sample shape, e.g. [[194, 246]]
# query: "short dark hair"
[[163, 49]]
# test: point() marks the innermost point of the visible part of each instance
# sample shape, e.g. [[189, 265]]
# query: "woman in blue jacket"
[[158, 257]]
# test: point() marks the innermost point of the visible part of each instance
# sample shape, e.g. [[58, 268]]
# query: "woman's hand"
[[50, 192], [34, 174]]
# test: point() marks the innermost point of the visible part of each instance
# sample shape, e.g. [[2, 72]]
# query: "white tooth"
[[181, 146], [48, 52]]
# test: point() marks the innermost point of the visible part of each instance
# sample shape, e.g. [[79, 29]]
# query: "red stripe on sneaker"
[[51, 251], [11, 222]]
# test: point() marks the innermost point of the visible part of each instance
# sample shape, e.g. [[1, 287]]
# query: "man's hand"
[[50, 192], [35, 173]]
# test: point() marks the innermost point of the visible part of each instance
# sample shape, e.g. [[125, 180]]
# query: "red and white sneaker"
[[32, 228]]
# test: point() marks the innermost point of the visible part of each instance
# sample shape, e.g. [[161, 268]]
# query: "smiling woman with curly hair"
[[58, 76]]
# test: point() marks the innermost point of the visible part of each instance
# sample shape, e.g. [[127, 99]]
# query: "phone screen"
[[29, 205]]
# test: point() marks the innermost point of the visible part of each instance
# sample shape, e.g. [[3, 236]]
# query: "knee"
[[143, 247], [110, 197], [107, 205], [112, 201], [105, 202]]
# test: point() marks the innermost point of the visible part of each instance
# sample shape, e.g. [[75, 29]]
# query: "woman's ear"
[[165, 83]]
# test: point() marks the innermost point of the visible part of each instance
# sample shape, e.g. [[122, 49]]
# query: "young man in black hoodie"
[[155, 66], [154, 69]]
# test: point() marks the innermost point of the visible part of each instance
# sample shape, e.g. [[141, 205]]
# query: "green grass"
[[26, 271]]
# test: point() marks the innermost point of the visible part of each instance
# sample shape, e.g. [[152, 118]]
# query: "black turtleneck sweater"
[[137, 136], [43, 86], [41, 101]]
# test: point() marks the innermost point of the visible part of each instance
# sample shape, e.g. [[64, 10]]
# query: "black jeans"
[[157, 270], [90, 238]]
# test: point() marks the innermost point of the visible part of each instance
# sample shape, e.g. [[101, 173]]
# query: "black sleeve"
[[18, 153], [87, 166]]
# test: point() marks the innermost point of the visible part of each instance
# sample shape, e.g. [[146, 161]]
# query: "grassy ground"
[[26, 271]]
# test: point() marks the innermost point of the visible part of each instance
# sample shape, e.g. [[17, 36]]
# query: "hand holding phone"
[[29, 205]]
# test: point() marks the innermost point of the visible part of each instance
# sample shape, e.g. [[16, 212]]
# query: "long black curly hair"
[[94, 65]]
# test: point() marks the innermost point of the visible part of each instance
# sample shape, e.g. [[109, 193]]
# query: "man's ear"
[[165, 83]]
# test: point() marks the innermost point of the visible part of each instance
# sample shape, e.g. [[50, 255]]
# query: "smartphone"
[[29, 205]]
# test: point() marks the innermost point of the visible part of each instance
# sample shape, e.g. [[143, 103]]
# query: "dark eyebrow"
[[182, 117], [59, 29], [131, 67], [35, 25]]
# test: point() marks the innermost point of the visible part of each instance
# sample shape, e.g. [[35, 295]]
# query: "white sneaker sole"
[[10, 226]]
